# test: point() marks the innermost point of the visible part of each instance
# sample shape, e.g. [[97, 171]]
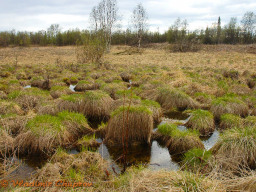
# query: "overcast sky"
[[34, 15]]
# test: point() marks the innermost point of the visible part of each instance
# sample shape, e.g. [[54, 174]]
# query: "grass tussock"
[[202, 121], [179, 141], [72, 103], [146, 180], [8, 107], [173, 98], [85, 166], [240, 144], [228, 104], [155, 108], [58, 91], [229, 121], [44, 133], [13, 124], [87, 85], [139, 125], [6, 142], [97, 104]]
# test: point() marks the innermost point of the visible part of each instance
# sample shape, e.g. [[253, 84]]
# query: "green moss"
[[14, 94], [127, 94], [72, 116], [73, 98], [45, 124], [11, 82], [36, 92], [230, 98], [150, 103], [132, 109], [201, 114], [172, 130], [95, 95], [58, 88], [231, 120], [205, 95], [83, 82], [223, 84], [240, 136], [173, 92]]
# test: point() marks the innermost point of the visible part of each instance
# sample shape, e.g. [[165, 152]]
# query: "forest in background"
[[234, 32]]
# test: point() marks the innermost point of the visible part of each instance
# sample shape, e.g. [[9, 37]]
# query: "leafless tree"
[[103, 18], [139, 22], [248, 26]]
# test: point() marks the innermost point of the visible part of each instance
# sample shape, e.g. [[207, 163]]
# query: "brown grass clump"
[[233, 74], [97, 104], [228, 104], [245, 183], [237, 145], [3, 95], [70, 103], [202, 121], [179, 142], [14, 124], [139, 125], [6, 142], [85, 166], [228, 121], [58, 91], [155, 108], [44, 133], [120, 102], [50, 109], [146, 180], [173, 98], [113, 88], [251, 83], [254, 111], [41, 83], [10, 108], [126, 76], [240, 89], [87, 85]]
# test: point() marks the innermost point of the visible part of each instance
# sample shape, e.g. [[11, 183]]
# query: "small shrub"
[[92, 50]]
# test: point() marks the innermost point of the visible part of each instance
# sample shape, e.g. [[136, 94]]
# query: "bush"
[[92, 50]]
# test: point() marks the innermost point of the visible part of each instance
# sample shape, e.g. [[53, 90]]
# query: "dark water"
[[152, 156], [177, 115], [24, 168]]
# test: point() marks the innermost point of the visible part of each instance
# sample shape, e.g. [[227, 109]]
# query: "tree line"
[[104, 19]]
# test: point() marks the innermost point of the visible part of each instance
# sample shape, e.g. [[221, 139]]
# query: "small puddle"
[[23, 168], [152, 156], [72, 87], [27, 87], [177, 115], [209, 142]]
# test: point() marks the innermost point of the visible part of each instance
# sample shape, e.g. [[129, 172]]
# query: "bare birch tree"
[[139, 22], [103, 18]]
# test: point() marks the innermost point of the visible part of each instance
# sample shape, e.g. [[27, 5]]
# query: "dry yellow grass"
[[213, 59]]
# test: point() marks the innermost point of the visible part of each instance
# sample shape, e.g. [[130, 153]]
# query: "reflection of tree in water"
[[139, 154]]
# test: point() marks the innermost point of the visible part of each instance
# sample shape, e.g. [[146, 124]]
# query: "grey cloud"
[[36, 15]]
